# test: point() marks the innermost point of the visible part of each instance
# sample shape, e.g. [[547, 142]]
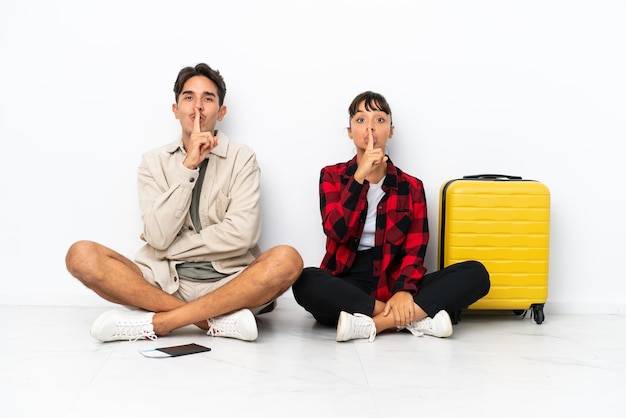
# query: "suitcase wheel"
[[537, 312]]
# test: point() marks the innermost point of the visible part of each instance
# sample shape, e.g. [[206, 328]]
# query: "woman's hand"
[[403, 308], [371, 160]]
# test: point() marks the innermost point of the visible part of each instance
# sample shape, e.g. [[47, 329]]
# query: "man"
[[199, 201]]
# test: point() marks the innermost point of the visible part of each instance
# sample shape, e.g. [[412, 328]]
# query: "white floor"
[[496, 365]]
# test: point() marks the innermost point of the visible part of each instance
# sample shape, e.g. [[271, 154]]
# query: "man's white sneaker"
[[123, 326], [355, 326], [438, 326], [239, 324]]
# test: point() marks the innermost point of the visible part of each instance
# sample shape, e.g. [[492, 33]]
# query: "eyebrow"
[[206, 93], [370, 111]]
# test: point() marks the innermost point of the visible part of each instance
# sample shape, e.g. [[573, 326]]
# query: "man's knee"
[[79, 256], [289, 257], [285, 261]]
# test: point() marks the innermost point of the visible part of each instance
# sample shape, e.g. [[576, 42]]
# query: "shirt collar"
[[391, 178]]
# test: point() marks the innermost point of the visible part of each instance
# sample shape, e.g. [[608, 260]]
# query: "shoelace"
[[417, 327], [134, 331], [415, 331], [223, 326], [362, 324]]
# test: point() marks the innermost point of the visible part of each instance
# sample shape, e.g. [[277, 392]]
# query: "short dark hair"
[[204, 70], [373, 101]]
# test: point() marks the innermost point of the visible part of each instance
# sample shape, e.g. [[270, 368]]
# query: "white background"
[[530, 88]]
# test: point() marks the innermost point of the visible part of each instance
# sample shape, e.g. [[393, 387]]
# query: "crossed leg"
[[118, 280]]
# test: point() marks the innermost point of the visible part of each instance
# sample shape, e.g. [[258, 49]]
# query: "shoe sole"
[[340, 331], [263, 309]]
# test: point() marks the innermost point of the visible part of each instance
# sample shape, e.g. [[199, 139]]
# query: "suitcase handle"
[[491, 177]]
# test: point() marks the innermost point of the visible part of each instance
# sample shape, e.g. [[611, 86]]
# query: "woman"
[[372, 277]]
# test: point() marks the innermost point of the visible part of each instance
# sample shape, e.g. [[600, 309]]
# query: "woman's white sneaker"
[[438, 326], [355, 326]]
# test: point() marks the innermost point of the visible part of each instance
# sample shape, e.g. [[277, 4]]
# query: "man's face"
[[198, 93]]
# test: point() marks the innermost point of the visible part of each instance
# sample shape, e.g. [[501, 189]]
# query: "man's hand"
[[200, 144]]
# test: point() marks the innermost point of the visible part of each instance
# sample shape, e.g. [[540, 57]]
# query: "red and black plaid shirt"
[[401, 233]]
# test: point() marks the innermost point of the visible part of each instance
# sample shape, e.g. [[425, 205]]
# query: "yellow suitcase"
[[504, 222]]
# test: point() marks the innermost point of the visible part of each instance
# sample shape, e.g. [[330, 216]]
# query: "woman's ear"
[[390, 131], [350, 133]]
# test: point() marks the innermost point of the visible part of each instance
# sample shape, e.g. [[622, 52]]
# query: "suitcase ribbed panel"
[[506, 226]]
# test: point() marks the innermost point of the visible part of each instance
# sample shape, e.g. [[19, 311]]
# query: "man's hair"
[[203, 70], [373, 101]]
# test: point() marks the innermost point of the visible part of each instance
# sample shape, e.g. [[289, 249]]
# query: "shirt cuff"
[[187, 177]]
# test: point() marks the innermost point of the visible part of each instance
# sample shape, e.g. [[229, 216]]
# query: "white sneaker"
[[355, 326], [239, 324], [438, 326], [123, 325]]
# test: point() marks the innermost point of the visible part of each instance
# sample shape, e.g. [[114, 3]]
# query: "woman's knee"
[[305, 282], [477, 272]]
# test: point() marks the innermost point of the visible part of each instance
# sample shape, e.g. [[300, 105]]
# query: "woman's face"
[[364, 121]]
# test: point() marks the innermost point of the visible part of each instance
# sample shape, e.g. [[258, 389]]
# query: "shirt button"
[[191, 179], [191, 228], [175, 279]]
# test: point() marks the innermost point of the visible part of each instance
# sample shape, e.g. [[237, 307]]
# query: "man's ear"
[[222, 112], [175, 110]]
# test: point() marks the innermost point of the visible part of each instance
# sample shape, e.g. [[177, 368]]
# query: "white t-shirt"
[[374, 194]]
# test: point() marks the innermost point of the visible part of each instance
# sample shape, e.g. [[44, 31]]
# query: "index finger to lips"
[[370, 143], [196, 122]]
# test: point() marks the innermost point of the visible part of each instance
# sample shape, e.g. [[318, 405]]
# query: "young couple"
[[201, 265]]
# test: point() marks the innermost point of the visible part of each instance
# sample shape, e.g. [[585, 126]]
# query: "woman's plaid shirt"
[[401, 233]]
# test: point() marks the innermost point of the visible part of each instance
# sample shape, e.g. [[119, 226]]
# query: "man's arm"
[[165, 188], [238, 230]]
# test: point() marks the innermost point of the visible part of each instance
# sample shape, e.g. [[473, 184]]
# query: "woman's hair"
[[373, 101], [204, 70]]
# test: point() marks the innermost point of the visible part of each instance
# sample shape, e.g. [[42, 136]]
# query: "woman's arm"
[[341, 205]]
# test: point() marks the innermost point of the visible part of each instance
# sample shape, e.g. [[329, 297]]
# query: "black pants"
[[325, 296]]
